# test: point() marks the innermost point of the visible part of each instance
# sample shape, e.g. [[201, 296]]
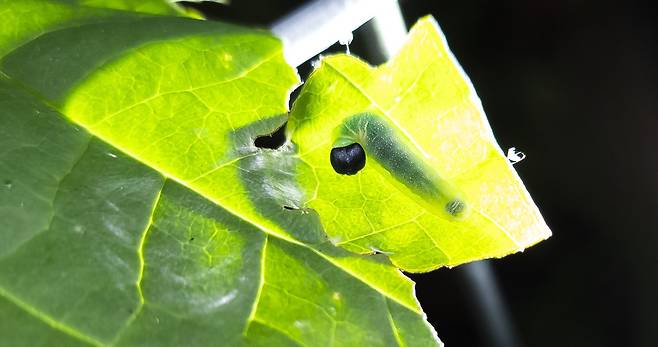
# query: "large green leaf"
[[436, 189], [135, 209]]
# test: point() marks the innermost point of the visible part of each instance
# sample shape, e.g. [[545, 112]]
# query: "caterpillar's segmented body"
[[374, 135]]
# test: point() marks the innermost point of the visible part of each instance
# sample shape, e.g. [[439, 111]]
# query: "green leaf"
[[162, 7], [135, 209], [436, 188]]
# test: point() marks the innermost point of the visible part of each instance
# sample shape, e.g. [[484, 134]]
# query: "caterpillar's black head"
[[348, 160]]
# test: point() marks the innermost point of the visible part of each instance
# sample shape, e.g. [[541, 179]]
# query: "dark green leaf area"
[[94, 204], [25, 330], [30, 135]]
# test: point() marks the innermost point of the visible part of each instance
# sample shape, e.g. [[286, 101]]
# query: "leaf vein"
[[48, 320], [394, 328], [261, 284]]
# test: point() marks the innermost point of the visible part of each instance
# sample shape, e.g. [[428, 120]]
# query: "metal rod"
[[492, 315], [319, 24]]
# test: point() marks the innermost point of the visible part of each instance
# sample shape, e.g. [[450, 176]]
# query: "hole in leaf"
[[289, 208], [273, 140]]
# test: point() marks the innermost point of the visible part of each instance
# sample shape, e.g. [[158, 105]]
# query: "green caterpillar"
[[372, 135]]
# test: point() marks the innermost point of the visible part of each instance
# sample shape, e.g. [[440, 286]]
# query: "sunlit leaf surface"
[[135, 208], [436, 189]]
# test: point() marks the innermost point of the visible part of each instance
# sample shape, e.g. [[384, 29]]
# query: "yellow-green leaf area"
[[436, 189]]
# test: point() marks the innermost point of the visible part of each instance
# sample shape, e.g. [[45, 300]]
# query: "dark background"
[[573, 84]]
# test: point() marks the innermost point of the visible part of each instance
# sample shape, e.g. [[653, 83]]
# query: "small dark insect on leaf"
[[348, 160]]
